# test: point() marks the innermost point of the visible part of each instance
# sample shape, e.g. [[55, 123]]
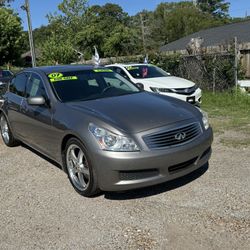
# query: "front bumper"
[[194, 98], [119, 171]]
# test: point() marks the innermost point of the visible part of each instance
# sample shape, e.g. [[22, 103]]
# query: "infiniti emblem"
[[180, 136]]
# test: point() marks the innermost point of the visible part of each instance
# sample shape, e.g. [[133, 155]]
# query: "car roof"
[[128, 64], [62, 68]]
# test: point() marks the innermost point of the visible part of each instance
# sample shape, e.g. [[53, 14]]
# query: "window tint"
[[35, 87], [90, 84], [146, 71], [121, 72], [17, 85]]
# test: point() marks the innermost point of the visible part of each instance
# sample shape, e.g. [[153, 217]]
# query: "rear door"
[[14, 102]]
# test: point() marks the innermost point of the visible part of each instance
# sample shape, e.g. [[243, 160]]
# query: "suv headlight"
[[204, 119], [112, 142]]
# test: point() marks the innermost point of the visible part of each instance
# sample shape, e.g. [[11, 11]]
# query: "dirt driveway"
[[209, 209]]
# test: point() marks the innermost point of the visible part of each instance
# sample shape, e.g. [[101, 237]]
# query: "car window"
[[35, 86], [116, 82], [5, 73], [18, 83], [89, 84], [120, 71], [146, 71]]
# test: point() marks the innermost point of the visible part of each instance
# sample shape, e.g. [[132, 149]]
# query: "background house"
[[218, 40]]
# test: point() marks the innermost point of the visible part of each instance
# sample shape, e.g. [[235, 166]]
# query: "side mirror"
[[140, 86], [38, 101]]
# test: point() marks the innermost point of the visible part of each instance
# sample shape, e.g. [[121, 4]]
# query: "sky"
[[40, 8]]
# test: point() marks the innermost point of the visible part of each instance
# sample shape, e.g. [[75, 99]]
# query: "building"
[[217, 39]]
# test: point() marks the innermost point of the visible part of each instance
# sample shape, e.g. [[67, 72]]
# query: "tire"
[[6, 133], [79, 168]]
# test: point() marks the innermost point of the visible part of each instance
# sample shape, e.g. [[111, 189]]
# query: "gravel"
[[209, 209]]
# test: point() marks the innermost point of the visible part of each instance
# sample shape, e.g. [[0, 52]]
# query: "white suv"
[[154, 79]]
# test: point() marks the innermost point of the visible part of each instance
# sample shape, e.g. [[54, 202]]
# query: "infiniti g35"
[[105, 132]]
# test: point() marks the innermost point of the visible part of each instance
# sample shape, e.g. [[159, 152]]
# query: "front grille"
[[173, 137], [186, 91], [181, 166], [137, 174]]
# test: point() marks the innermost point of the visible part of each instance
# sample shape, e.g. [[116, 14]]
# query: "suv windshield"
[[89, 84], [145, 71]]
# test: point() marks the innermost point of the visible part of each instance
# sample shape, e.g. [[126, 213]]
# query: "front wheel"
[[80, 171], [6, 133]]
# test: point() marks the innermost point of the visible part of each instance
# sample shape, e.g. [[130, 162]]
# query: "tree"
[[121, 41], [217, 8], [5, 2], [175, 20], [11, 36], [57, 51]]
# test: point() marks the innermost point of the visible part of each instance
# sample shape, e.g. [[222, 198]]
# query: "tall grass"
[[227, 110]]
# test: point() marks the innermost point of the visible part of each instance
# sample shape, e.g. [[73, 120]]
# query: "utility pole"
[[26, 7], [143, 33], [236, 63]]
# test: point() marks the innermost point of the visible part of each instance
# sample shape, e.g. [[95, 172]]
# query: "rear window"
[[89, 84]]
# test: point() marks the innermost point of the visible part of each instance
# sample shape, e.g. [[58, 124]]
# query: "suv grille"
[[173, 137]]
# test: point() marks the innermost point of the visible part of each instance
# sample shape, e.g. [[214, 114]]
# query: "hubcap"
[[78, 167], [4, 129]]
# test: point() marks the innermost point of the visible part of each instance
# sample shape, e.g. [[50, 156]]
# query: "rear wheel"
[[80, 171], [6, 133]]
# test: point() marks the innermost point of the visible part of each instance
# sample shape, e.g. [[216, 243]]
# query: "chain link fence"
[[211, 72]]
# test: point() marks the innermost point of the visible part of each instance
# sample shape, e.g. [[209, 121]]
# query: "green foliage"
[[227, 110], [56, 51], [218, 8], [11, 36], [115, 33], [175, 20]]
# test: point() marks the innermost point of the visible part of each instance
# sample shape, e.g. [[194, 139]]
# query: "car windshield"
[[146, 71], [5, 73], [89, 84]]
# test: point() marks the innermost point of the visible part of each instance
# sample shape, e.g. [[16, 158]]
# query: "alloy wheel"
[[77, 166]]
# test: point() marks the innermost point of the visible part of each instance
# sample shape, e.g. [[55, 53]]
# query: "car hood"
[[137, 112], [167, 82]]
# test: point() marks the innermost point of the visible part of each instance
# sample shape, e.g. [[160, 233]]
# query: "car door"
[[37, 128], [14, 101]]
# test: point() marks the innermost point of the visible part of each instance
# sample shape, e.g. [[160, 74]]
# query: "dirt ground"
[[209, 209]]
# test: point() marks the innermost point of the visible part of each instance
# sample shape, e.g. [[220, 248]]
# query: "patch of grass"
[[235, 143], [227, 110]]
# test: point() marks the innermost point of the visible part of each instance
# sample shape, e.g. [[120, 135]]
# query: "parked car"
[[244, 86], [154, 79], [5, 76], [105, 132]]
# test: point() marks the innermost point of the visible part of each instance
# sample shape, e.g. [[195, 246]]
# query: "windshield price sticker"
[[102, 70], [66, 78], [131, 68], [55, 75]]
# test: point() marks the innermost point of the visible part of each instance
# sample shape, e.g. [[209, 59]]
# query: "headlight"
[[204, 119], [112, 142], [158, 90]]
